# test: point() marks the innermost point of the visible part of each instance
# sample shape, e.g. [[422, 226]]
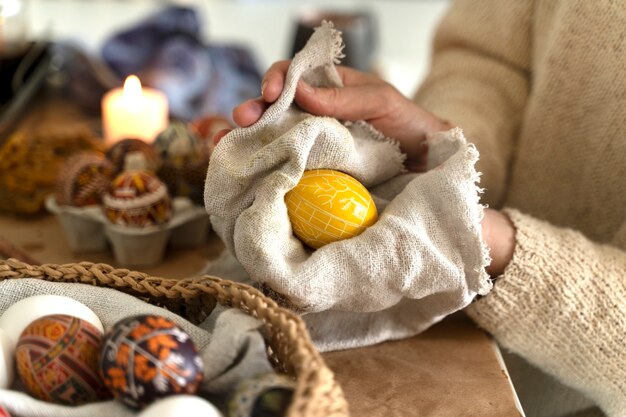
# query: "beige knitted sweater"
[[540, 87]]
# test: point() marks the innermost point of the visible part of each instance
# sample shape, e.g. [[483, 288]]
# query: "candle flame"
[[132, 95]]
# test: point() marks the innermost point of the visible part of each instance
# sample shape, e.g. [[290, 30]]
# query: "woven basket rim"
[[317, 392]]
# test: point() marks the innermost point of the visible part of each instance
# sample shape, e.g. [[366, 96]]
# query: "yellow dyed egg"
[[327, 206]]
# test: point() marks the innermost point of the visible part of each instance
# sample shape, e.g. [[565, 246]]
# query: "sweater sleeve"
[[479, 80], [561, 304]]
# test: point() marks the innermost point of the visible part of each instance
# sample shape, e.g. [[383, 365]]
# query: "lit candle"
[[133, 112]]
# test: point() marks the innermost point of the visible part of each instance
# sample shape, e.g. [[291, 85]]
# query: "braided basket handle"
[[317, 393]]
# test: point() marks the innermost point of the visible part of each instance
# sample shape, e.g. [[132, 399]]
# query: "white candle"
[[133, 112]]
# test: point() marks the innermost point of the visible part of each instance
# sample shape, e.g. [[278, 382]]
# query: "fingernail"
[[263, 86], [306, 87]]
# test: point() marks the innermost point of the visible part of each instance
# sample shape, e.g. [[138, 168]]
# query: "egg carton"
[[88, 230]]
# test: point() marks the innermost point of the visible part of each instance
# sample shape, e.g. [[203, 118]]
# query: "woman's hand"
[[363, 97], [499, 236]]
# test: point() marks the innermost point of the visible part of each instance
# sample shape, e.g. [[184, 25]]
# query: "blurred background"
[[400, 42], [63, 65]]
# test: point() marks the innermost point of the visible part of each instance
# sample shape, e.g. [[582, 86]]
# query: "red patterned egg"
[[57, 360], [206, 127], [4, 412], [83, 178], [148, 357], [137, 198]]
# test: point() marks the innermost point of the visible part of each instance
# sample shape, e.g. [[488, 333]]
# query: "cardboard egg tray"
[[88, 230]]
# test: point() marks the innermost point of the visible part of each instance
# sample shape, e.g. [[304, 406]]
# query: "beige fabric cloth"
[[422, 260], [539, 87], [229, 341]]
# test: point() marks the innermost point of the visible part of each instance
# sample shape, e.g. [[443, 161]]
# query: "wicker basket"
[[288, 344]]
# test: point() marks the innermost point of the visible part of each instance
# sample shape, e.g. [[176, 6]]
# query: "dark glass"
[[358, 31]]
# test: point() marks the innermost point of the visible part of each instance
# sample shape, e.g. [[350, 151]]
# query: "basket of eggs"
[[312, 388]]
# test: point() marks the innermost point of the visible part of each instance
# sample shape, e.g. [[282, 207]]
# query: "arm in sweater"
[[480, 80], [561, 304]]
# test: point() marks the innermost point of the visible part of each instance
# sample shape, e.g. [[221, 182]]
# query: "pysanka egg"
[[137, 198], [177, 142], [83, 178], [133, 153], [185, 180], [206, 127], [327, 206], [57, 360], [184, 165], [20, 314], [148, 357]]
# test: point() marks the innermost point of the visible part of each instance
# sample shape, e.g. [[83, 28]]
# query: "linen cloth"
[[423, 259], [229, 342]]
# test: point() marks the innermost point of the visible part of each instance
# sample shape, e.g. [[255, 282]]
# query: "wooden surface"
[[44, 240], [452, 369]]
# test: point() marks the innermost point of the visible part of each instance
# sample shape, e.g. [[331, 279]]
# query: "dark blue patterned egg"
[[148, 357]]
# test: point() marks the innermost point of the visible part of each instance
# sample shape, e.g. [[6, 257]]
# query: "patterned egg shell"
[[206, 127], [4, 412], [178, 144], [129, 154], [265, 395], [187, 181], [137, 198], [83, 178], [57, 360], [148, 357], [327, 206]]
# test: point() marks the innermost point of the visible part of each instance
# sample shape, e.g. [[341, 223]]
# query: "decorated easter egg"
[[20, 314], [7, 371], [265, 395], [180, 405], [327, 206], [148, 357], [137, 198], [177, 143], [4, 412], [206, 127], [130, 154], [57, 360], [184, 165], [83, 178], [185, 181]]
